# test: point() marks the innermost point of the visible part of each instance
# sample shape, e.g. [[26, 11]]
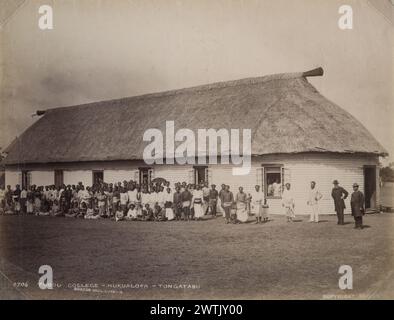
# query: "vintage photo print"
[[197, 149]]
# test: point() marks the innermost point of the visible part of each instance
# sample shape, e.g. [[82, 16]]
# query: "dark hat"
[[355, 184], [335, 182]]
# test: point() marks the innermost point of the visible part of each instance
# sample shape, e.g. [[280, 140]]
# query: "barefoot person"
[[288, 203], [257, 202], [339, 195], [242, 212], [357, 205], [227, 200], [313, 201]]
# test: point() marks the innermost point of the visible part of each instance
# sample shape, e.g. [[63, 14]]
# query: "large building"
[[297, 136]]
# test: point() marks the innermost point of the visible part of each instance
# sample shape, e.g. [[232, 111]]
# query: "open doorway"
[[200, 174], [98, 177], [370, 187]]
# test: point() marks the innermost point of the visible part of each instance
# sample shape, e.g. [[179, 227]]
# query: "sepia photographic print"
[[195, 149]]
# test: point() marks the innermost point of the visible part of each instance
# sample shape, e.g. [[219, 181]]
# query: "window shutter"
[[151, 174], [137, 176], [208, 175], [260, 178], [286, 176], [28, 180], [20, 178], [191, 176]]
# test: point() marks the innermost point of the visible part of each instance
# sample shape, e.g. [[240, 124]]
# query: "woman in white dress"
[[168, 205], [197, 203]]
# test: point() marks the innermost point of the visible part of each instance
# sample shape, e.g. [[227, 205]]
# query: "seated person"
[[44, 209], [55, 210], [74, 211], [159, 213], [90, 214], [147, 213], [119, 216], [132, 213], [82, 210]]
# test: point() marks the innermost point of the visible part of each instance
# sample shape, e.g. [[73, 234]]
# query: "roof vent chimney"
[[313, 73]]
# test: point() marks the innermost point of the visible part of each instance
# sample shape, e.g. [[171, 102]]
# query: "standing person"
[[186, 203], [197, 201], [213, 200], [241, 201], [16, 197], [313, 201], [8, 200], [227, 200], [257, 201], [223, 188], [288, 203], [177, 203], [357, 205], [30, 201], [205, 193], [23, 200], [168, 204], [2, 200], [339, 195]]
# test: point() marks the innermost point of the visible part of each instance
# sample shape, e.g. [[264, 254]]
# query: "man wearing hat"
[[339, 195], [357, 205]]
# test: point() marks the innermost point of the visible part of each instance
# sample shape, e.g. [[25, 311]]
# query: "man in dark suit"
[[339, 195], [357, 205]]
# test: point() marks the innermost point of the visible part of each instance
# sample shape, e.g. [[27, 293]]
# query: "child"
[[55, 210], [265, 211], [159, 213], [119, 216], [132, 214], [233, 213], [74, 211], [148, 213], [90, 213], [44, 209], [82, 210], [102, 199]]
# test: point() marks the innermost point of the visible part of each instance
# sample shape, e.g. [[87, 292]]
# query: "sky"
[[108, 49]]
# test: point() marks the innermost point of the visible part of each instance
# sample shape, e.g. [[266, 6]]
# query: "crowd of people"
[[160, 202], [130, 201]]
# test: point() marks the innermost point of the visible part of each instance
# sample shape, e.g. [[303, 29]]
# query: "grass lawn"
[[275, 260]]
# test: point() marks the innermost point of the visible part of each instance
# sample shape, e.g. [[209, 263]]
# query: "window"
[[98, 176], [58, 178], [145, 175], [273, 181], [26, 179]]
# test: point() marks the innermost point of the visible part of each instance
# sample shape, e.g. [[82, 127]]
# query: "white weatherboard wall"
[[73, 177], [12, 178], [114, 176], [42, 178]]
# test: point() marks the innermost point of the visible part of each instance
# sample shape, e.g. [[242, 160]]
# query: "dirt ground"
[[196, 260]]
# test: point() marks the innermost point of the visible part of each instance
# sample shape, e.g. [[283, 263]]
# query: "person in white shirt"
[[83, 196], [257, 201], [277, 188], [132, 214], [132, 193], [168, 197], [288, 203], [313, 201]]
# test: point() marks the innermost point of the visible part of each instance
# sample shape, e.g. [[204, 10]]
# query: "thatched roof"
[[285, 113]]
